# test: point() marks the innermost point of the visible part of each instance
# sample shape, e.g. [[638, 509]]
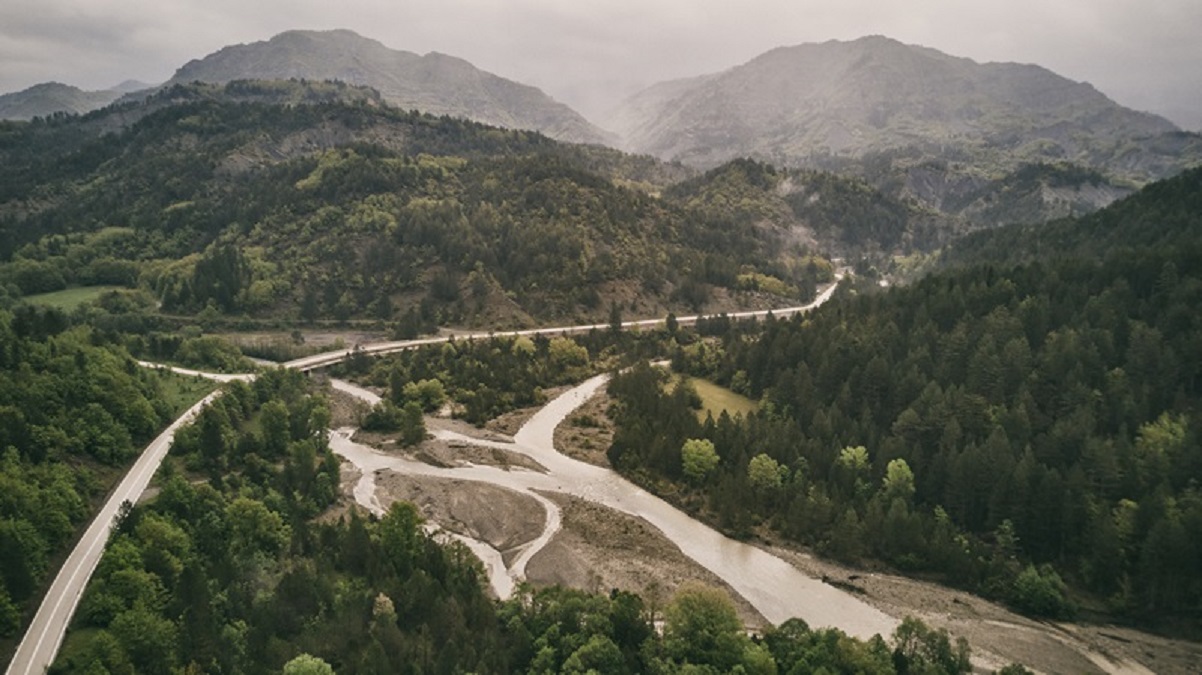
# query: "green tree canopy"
[[698, 458]]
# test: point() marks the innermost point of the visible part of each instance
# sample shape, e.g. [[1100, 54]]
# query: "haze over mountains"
[[435, 83], [793, 104], [952, 134], [48, 98]]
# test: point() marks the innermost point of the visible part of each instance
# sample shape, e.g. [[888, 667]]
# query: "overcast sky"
[[1145, 54]]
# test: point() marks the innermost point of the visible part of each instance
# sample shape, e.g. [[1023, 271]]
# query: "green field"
[[715, 399], [182, 391], [70, 298]]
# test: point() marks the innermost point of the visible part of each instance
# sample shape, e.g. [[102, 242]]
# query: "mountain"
[[131, 86], [435, 83], [308, 200], [931, 124], [43, 100]]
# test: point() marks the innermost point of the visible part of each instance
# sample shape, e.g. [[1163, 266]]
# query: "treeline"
[[74, 410], [1010, 429], [237, 574]]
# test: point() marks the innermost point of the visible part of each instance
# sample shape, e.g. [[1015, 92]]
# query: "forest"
[[1027, 431]]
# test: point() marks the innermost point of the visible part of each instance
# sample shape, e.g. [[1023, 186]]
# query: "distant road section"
[[37, 650], [330, 358]]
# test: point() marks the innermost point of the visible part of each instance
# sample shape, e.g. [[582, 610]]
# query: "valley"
[[855, 356]]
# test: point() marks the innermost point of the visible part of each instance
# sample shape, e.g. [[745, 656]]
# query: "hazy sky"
[[1145, 54]]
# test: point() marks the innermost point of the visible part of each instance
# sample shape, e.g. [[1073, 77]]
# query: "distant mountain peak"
[[436, 83], [48, 98], [875, 93]]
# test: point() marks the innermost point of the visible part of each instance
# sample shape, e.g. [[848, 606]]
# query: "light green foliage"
[[429, 393], [307, 664], [1157, 446], [598, 655], [255, 529], [70, 298], [566, 353], [523, 345], [698, 458], [765, 283], [701, 627], [854, 459], [898, 482], [1040, 591], [212, 353], [765, 473]]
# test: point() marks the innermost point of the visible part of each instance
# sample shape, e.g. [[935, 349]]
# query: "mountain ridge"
[[874, 93], [944, 130], [435, 83], [47, 98]]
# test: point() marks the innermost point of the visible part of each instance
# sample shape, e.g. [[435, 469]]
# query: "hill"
[[42, 100], [217, 197], [434, 83], [843, 215], [911, 120]]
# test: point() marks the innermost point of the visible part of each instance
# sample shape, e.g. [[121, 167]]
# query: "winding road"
[[775, 588], [38, 647]]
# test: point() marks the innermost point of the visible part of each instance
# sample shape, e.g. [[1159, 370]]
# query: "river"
[[775, 588]]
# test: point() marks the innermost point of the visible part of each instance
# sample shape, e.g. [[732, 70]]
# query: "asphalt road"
[[330, 358], [37, 650]]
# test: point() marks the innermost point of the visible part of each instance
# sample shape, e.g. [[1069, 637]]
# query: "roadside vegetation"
[[74, 412]]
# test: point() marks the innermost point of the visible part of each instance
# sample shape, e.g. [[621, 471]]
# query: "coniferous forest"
[[1020, 430]]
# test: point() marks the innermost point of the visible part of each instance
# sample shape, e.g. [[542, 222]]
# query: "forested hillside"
[[213, 198], [844, 215], [1164, 215], [74, 411], [1013, 428]]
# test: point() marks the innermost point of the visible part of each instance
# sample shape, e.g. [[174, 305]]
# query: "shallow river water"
[[775, 588]]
